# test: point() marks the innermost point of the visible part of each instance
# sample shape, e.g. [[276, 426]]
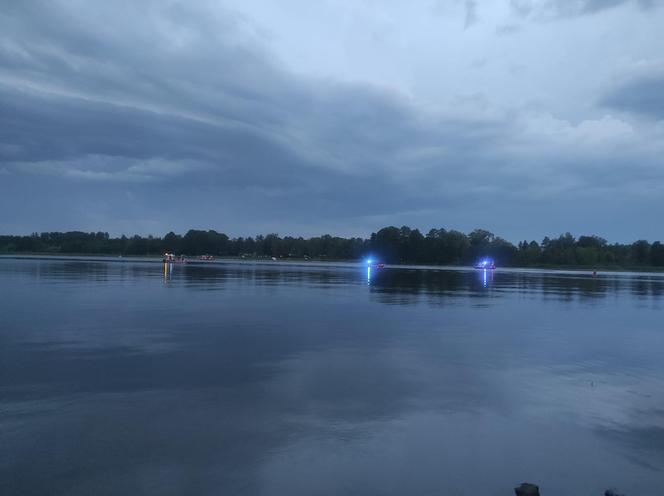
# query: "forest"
[[389, 244]]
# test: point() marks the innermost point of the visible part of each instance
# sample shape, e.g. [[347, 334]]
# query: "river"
[[299, 379]]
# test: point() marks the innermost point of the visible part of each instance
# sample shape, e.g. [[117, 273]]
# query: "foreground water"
[[278, 379]]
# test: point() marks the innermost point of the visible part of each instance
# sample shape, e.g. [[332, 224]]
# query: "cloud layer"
[[169, 115]]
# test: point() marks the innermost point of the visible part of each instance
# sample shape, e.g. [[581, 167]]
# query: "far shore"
[[157, 258]]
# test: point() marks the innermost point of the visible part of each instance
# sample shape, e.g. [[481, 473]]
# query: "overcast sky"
[[524, 117]]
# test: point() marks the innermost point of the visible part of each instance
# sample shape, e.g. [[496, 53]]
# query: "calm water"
[[276, 379]]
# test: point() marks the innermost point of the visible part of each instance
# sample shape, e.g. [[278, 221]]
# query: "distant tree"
[[455, 247], [172, 243], [270, 245], [591, 242], [657, 254], [414, 247], [210, 242], [386, 243], [480, 244], [560, 251], [392, 244], [502, 251], [641, 252]]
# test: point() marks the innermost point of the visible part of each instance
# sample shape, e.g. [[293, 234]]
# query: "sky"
[[524, 117]]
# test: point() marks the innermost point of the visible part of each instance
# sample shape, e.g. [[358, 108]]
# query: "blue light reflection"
[[486, 277]]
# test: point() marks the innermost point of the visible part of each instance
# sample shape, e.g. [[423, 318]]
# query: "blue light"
[[369, 261]]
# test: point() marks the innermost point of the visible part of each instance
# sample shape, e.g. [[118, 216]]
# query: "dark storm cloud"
[[101, 141], [145, 117], [642, 94], [107, 108]]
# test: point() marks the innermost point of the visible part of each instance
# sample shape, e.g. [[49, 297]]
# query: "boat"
[[206, 258], [172, 258], [485, 264], [375, 265]]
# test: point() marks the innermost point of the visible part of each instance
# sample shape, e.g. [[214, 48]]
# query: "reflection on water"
[[125, 378], [168, 271], [487, 277]]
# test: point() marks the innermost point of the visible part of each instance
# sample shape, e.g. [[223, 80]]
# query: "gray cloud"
[[641, 94], [164, 116], [570, 8], [471, 13]]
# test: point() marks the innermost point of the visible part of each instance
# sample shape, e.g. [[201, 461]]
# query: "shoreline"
[[158, 258]]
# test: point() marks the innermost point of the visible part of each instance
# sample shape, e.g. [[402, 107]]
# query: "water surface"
[[283, 379]]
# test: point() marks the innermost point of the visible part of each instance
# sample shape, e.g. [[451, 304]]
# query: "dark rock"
[[612, 492], [527, 489]]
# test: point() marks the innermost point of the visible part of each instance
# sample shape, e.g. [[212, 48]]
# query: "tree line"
[[390, 244]]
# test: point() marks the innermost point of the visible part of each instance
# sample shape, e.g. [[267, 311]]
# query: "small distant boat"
[[206, 258], [375, 265], [172, 258], [485, 264]]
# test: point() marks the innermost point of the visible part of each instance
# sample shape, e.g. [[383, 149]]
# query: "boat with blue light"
[[485, 264], [374, 264]]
